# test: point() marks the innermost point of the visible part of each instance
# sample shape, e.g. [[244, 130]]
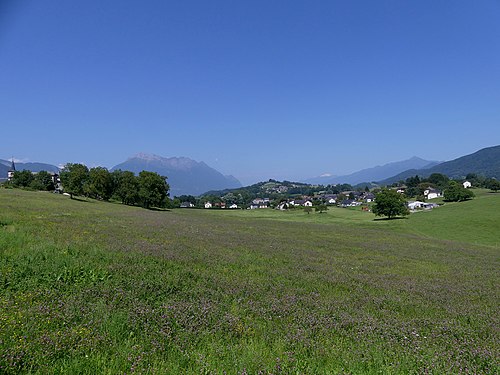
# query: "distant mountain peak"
[[185, 175], [178, 163], [376, 173], [146, 157], [485, 162]]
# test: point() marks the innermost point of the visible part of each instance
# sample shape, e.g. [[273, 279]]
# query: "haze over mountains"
[[375, 173], [185, 176], [5, 166], [190, 177], [485, 162]]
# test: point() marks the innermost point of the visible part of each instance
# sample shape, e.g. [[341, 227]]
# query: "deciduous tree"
[[100, 184], [22, 178], [153, 189], [73, 178], [390, 203], [494, 185], [42, 181], [126, 187], [320, 208], [457, 193]]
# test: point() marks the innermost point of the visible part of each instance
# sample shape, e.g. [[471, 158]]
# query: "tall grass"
[[89, 287]]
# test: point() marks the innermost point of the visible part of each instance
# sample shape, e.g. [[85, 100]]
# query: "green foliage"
[[153, 189], [22, 178], [126, 186], [73, 178], [320, 208], [307, 209], [493, 185], [457, 193], [148, 189], [187, 198], [439, 180], [42, 181], [223, 291], [390, 203], [276, 191], [99, 184], [413, 182]]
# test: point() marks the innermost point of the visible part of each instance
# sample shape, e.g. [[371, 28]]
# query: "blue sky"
[[257, 89]]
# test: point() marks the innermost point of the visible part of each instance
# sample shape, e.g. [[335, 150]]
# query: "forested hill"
[[485, 162], [273, 189]]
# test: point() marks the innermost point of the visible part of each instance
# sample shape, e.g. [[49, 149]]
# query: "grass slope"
[[89, 287]]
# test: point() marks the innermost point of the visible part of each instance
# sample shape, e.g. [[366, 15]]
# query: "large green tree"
[[42, 181], [22, 178], [99, 184], [493, 185], [153, 189], [439, 180], [74, 176], [321, 208], [126, 187], [390, 203], [457, 193]]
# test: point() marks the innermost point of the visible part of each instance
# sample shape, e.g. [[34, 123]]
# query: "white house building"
[[467, 184], [11, 171], [431, 193]]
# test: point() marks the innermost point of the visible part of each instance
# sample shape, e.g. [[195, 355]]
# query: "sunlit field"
[[90, 287]]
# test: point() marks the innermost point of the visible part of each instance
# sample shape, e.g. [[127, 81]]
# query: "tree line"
[[147, 190], [36, 181]]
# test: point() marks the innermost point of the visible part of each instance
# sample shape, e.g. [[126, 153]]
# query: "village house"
[[261, 201], [467, 184], [208, 205], [187, 205], [283, 206], [415, 205], [368, 197], [254, 206], [330, 199], [350, 203], [303, 202], [11, 171], [401, 189], [431, 193]]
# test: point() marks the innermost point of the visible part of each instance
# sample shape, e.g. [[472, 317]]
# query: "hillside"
[[185, 176], [374, 173], [93, 287], [3, 170], [271, 188], [485, 162]]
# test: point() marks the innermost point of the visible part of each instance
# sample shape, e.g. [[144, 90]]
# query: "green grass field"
[[90, 287]]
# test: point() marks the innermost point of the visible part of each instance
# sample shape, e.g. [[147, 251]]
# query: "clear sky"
[[258, 89]]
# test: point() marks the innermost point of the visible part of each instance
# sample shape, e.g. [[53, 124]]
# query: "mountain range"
[[485, 162], [185, 176], [375, 173], [5, 166], [190, 177]]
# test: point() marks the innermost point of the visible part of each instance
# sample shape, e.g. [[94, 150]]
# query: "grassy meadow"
[[90, 287]]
